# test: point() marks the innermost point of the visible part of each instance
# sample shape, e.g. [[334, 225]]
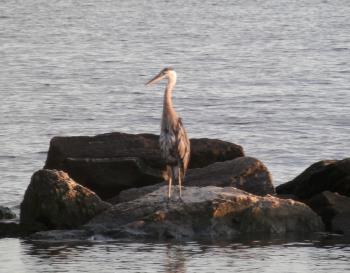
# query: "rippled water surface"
[[272, 76], [170, 257]]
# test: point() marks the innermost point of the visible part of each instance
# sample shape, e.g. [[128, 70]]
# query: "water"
[[272, 76], [188, 257]]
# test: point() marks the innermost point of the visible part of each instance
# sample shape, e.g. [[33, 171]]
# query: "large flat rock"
[[110, 163], [203, 213]]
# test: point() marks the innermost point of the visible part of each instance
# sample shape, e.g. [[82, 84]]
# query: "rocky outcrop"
[[325, 186], [245, 173], [110, 163], [6, 213], [327, 175], [54, 201], [207, 212], [334, 210]]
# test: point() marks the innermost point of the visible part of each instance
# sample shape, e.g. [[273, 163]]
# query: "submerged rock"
[[334, 210], [62, 235], [327, 175], [10, 228], [6, 213], [245, 173], [54, 201], [207, 212], [110, 163]]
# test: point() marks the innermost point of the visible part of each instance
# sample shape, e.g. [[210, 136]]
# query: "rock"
[[10, 228], [110, 163], [204, 213], [245, 173], [325, 186], [6, 213], [54, 201], [205, 151], [341, 223], [334, 210], [62, 235], [328, 175], [134, 193]]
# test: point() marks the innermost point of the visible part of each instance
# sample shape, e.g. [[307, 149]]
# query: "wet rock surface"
[[54, 201], [110, 163]]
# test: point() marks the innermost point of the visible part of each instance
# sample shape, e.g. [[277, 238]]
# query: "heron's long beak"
[[156, 79]]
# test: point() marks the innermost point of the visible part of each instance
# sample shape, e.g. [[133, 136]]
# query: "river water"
[[272, 76]]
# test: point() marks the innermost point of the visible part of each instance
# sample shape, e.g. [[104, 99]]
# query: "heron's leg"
[[180, 189], [170, 178]]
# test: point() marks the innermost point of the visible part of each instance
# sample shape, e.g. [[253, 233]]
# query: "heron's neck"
[[168, 104]]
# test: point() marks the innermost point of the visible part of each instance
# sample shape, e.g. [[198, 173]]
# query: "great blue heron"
[[173, 140]]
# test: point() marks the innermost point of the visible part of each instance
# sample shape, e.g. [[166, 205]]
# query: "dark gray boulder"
[[6, 213], [326, 175], [11, 228], [54, 201], [245, 173], [334, 210], [110, 163], [341, 223]]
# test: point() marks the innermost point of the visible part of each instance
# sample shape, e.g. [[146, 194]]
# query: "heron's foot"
[[168, 200], [181, 200], [167, 203]]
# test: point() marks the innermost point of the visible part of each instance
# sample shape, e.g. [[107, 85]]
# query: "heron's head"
[[166, 73]]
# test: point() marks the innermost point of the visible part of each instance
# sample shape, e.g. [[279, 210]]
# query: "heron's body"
[[173, 140]]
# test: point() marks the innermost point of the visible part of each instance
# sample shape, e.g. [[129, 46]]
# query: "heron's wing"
[[182, 143]]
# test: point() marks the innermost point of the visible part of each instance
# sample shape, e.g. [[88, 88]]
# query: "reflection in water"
[[127, 256], [57, 250], [175, 259]]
